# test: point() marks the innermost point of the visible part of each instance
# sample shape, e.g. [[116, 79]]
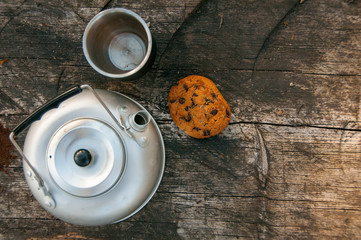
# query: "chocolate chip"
[[206, 132], [197, 129], [213, 95], [227, 113], [214, 112], [188, 118], [193, 103], [185, 87], [172, 101], [195, 95], [208, 101], [196, 86], [186, 108], [182, 100]]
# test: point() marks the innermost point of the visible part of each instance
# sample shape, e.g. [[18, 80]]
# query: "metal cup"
[[117, 43]]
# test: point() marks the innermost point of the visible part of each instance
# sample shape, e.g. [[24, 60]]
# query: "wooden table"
[[287, 167]]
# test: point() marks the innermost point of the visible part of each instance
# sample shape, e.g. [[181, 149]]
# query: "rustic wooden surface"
[[287, 167]]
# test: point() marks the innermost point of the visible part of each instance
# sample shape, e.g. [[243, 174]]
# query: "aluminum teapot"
[[91, 156]]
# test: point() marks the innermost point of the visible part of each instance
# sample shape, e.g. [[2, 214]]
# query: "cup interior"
[[116, 42]]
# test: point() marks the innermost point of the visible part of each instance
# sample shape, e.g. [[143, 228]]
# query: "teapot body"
[[124, 158]]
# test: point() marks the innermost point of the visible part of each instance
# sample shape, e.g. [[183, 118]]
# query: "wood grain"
[[287, 166]]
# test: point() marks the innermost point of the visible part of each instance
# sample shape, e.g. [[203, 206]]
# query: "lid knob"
[[82, 157]]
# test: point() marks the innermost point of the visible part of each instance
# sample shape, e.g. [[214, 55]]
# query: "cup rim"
[[141, 21]]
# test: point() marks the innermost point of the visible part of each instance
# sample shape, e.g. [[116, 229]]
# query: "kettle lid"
[[86, 157]]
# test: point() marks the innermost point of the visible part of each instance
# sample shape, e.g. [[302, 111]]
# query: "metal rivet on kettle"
[[124, 109]]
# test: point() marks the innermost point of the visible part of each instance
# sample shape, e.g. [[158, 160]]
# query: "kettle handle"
[[36, 115], [53, 103], [47, 199]]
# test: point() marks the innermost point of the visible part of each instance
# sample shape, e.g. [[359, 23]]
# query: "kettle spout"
[[139, 120]]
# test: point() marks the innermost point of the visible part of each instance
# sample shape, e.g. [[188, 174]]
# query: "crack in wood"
[[106, 5], [11, 101], [167, 121], [307, 73], [12, 18], [358, 108], [296, 125], [174, 35], [76, 12], [270, 34], [59, 80], [2, 29], [303, 150], [265, 70], [262, 163], [81, 18]]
